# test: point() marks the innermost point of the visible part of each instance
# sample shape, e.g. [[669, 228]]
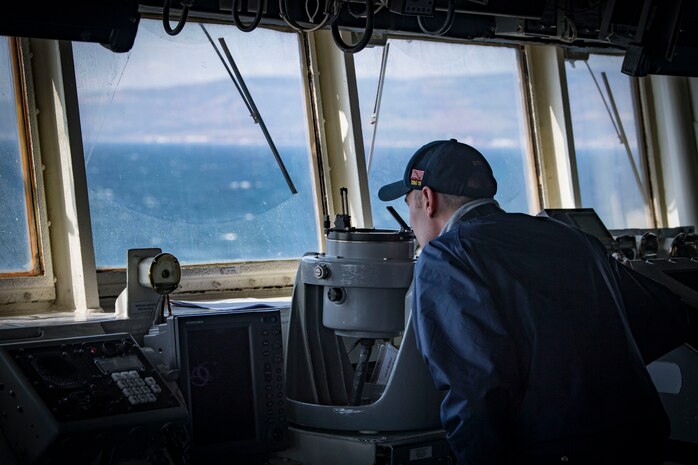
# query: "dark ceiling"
[[658, 37]]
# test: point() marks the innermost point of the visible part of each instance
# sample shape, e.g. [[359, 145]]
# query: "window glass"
[[15, 237], [606, 180], [436, 90], [174, 159]]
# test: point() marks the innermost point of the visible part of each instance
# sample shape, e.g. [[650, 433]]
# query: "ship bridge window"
[[174, 159], [439, 90], [18, 246], [608, 141]]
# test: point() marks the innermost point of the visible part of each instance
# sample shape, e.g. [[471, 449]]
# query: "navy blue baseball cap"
[[448, 167]]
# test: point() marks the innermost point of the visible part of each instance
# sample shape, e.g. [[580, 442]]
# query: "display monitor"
[[230, 366], [585, 219]]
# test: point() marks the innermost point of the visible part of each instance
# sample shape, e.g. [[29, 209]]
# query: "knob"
[[321, 271], [110, 348], [684, 245], [649, 246], [335, 294]]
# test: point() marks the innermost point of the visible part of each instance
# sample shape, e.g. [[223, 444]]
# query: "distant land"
[[216, 113]]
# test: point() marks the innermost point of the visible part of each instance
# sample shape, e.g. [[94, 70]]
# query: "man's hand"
[[622, 259]]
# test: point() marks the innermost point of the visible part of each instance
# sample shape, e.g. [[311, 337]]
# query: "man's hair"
[[476, 181], [454, 202], [450, 201]]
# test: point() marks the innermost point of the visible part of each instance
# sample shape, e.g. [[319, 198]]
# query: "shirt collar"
[[465, 208]]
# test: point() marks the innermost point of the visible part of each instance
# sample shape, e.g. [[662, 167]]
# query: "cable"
[[182, 19], [361, 44], [446, 26], [311, 17], [159, 316], [569, 34], [257, 17], [177, 443]]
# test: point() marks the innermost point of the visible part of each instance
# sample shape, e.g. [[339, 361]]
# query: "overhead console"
[[112, 23], [655, 35]]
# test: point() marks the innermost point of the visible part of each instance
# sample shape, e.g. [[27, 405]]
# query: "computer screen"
[[585, 219], [220, 383], [590, 222], [231, 377]]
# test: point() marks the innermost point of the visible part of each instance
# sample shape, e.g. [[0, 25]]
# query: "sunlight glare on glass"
[[15, 249], [169, 138]]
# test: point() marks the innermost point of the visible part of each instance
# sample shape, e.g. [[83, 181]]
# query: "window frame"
[[265, 278], [39, 293], [532, 160], [642, 135], [29, 289]]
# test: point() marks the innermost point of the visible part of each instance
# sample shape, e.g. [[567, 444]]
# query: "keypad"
[[137, 390]]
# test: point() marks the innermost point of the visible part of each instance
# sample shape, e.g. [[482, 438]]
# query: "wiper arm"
[[247, 98], [377, 104], [624, 139], [614, 116]]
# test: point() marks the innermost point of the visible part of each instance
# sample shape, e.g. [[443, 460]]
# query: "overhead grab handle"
[[186, 4], [368, 32], [261, 6], [446, 26]]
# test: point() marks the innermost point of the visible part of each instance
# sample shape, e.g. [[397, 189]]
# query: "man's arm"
[[463, 338]]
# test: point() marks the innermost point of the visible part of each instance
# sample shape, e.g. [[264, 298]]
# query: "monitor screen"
[[220, 384], [231, 376], [590, 223], [585, 219]]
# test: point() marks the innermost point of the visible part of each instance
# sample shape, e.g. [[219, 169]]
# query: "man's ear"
[[430, 201]]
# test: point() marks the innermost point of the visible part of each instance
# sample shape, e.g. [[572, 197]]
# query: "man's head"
[[440, 176]]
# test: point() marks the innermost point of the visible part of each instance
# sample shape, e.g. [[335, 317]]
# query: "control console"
[[54, 392]]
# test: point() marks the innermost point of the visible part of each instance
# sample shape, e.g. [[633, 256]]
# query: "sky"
[[158, 56]]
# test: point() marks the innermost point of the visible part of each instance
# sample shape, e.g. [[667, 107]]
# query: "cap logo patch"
[[416, 177], [477, 163]]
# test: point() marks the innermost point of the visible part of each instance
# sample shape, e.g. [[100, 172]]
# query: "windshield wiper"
[[377, 104], [614, 115], [247, 98]]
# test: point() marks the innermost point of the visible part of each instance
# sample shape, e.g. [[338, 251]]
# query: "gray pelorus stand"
[[355, 295]]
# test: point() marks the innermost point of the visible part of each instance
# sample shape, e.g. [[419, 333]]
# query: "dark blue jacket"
[[522, 321]]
